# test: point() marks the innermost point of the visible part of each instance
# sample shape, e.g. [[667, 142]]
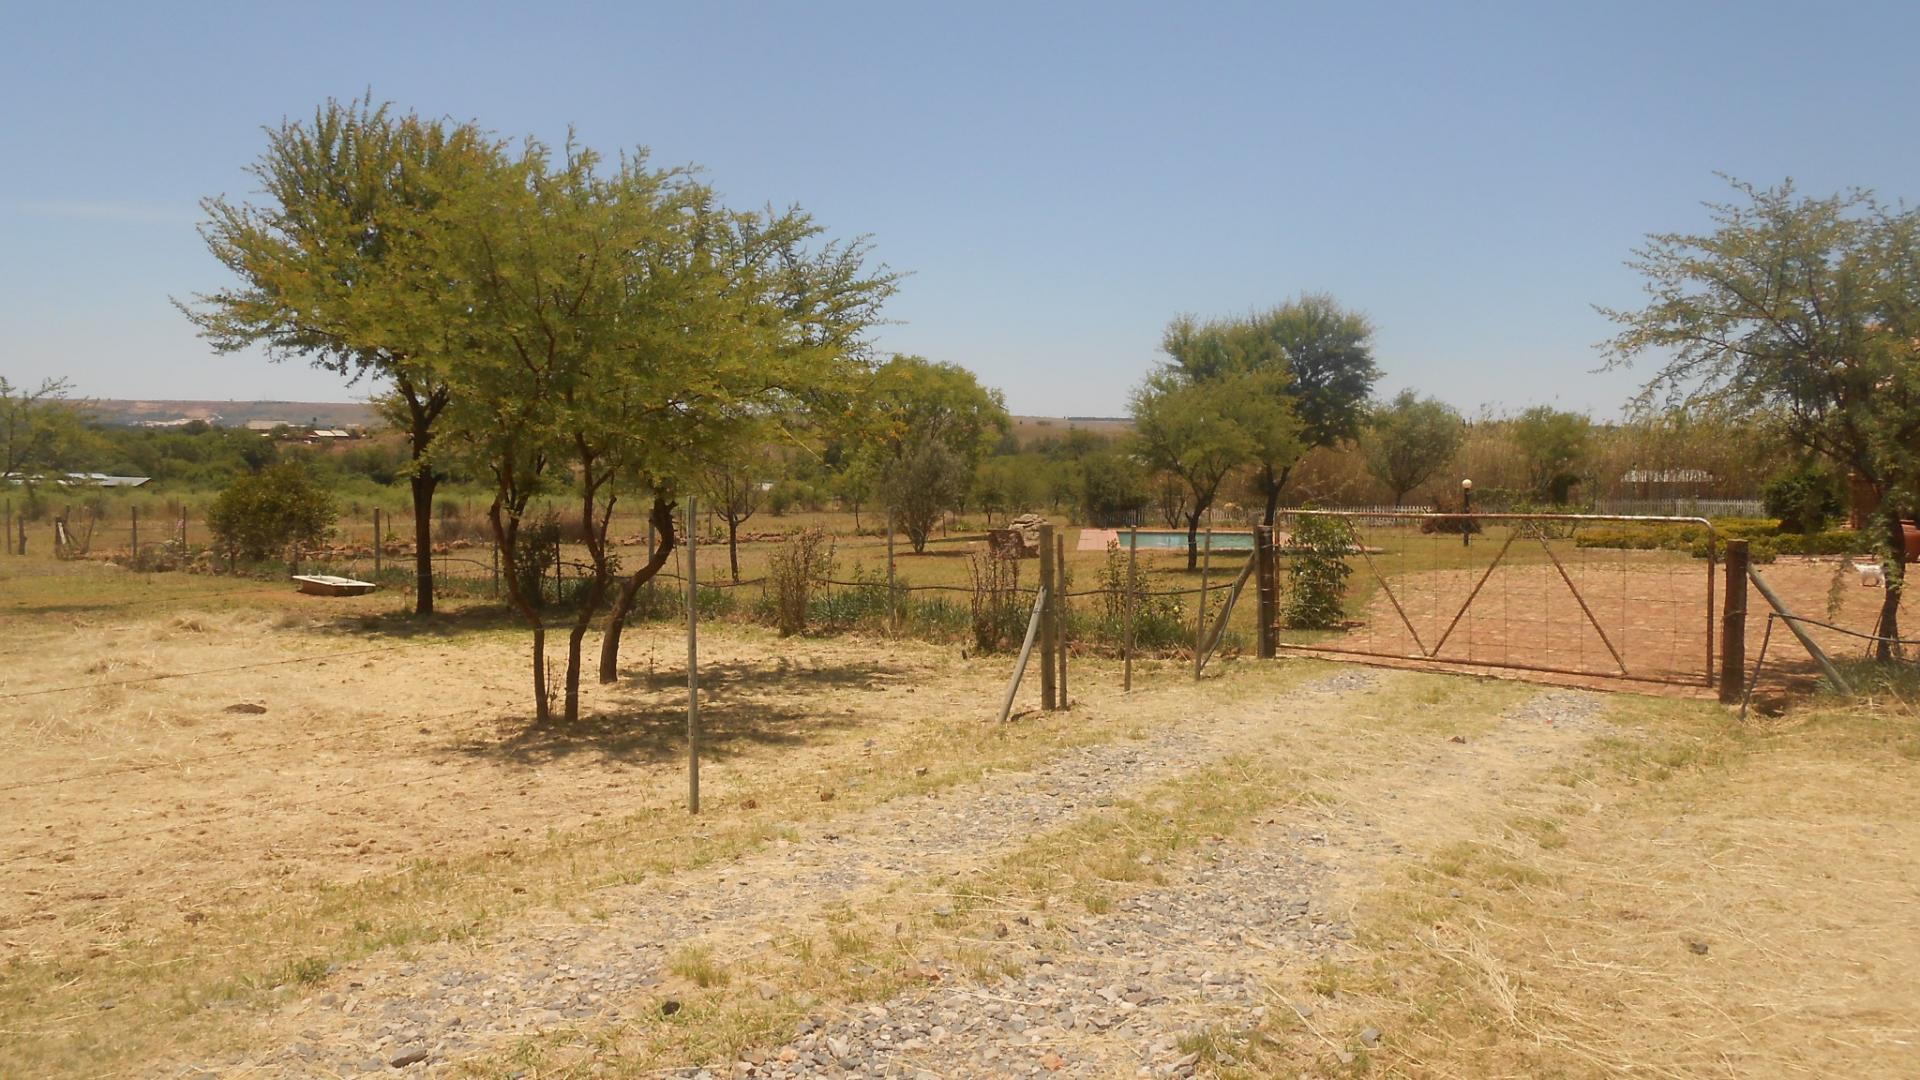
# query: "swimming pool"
[[1165, 538]]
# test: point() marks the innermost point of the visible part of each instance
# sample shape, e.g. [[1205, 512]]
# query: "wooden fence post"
[[7, 533], [1733, 625], [1049, 633], [378, 542], [1264, 581], [133, 515]]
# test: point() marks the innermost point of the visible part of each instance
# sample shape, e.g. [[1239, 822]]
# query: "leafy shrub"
[[1159, 621], [269, 512], [536, 548], [1806, 500], [1317, 571]]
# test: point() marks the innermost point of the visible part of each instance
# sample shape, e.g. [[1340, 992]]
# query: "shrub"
[[999, 610], [1806, 500], [269, 512], [536, 549], [1317, 571], [805, 556]]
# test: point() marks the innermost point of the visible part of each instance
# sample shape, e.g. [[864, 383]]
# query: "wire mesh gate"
[[1567, 594]]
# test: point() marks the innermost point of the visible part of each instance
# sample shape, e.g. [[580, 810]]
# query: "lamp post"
[[1466, 500]]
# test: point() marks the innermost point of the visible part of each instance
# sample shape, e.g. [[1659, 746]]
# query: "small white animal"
[[1872, 576]]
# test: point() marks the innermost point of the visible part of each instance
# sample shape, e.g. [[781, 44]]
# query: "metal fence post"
[[1049, 633], [1264, 580], [1126, 650], [893, 618], [1060, 606], [693, 666], [1200, 619], [1733, 625]]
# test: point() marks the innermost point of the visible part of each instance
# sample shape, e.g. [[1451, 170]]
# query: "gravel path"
[[454, 1001], [1130, 991]]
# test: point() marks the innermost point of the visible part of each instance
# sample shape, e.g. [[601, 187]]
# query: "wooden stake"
[[376, 541], [893, 618], [1026, 650], [133, 513], [693, 667]]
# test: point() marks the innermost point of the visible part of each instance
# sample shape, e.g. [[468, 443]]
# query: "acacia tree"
[[733, 489], [1321, 358], [40, 430], [1201, 430], [1411, 438], [332, 267], [925, 427], [1554, 446], [1803, 311]]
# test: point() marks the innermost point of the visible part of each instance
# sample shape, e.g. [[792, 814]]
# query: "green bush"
[[1806, 499], [1317, 572], [269, 512]]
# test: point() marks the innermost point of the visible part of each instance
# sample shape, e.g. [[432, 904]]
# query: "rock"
[[1370, 1036], [669, 1007], [408, 1057], [1699, 947], [247, 708]]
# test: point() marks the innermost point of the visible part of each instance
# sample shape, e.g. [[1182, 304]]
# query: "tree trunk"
[[1273, 486], [623, 603], [1193, 539], [574, 638], [505, 539], [1896, 583], [733, 549], [424, 482], [541, 712]]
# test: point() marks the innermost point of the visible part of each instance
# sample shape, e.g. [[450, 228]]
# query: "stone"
[[408, 1057]]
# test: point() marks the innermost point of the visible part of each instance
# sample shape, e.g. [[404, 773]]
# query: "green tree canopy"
[[1555, 446], [41, 431], [1410, 439], [332, 266], [1200, 430], [1325, 354], [1801, 311]]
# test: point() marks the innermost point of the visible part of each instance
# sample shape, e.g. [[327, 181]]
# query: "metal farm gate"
[[1607, 596]]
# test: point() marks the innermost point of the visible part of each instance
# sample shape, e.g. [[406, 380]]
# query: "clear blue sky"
[[1059, 180]]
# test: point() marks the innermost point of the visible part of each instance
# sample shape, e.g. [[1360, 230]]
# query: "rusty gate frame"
[[1427, 655]]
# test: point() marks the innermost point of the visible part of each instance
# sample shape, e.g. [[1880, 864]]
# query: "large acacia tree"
[[1411, 438], [1201, 430], [1800, 311], [331, 267], [923, 428], [1322, 355]]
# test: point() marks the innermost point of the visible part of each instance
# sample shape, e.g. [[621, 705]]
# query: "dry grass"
[[1697, 901]]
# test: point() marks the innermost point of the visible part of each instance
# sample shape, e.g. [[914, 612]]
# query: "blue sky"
[[1060, 180]]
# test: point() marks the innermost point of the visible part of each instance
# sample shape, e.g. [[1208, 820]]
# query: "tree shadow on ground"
[[742, 706]]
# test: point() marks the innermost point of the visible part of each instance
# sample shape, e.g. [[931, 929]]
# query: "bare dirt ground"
[[1641, 615], [1291, 868]]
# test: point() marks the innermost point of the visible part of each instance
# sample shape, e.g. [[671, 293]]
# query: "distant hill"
[[325, 414], [1028, 430]]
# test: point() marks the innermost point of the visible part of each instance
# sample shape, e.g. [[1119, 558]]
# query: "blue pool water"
[[1222, 541]]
